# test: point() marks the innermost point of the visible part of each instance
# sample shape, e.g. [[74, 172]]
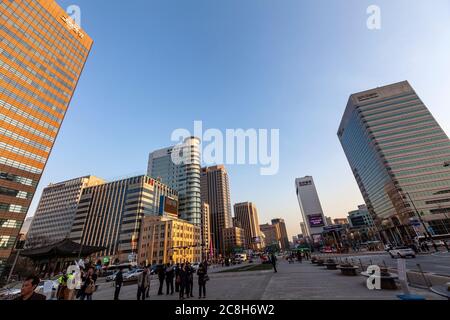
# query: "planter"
[[331, 266], [320, 263], [348, 270]]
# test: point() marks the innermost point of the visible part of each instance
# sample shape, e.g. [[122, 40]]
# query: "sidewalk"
[[309, 282], [292, 282]]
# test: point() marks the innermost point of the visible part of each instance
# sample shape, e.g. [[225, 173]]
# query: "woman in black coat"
[[202, 278]]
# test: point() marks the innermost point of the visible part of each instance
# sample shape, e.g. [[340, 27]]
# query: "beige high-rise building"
[[282, 232], [168, 240], [271, 234], [233, 239], [56, 211], [206, 230], [215, 190], [247, 216]]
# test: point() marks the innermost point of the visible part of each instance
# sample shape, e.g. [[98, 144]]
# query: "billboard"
[[316, 220], [168, 206]]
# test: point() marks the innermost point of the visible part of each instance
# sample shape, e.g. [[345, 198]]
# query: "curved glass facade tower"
[[183, 177]]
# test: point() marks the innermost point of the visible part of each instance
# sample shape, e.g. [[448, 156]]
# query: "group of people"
[[177, 278], [68, 289]]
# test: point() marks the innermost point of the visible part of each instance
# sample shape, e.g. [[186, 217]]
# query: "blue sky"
[[159, 65]]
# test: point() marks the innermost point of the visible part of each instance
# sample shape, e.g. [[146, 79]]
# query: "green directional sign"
[[105, 259]]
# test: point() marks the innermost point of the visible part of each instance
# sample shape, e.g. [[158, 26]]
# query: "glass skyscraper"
[[397, 152], [42, 55], [183, 177]]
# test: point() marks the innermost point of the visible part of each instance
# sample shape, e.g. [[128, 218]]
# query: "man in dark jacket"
[[177, 277], [190, 270], [27, 292], [169, 279], [119, 282], [273, 260], [161, 276]]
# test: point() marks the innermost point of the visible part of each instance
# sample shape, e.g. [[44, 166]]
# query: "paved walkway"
[[292, 282]]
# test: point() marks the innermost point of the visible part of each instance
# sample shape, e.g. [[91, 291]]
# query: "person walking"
[[118, 284], [143, 284], [161, 276], [177, 277], [273, 260], [202, 274], [169, 279]]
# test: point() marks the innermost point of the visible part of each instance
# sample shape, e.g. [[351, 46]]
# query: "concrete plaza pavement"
[[292, 282]]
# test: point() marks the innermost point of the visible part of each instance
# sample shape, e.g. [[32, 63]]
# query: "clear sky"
[[286, 64]]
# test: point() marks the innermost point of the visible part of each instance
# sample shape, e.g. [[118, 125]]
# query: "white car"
[[132, 275], [402, 252]]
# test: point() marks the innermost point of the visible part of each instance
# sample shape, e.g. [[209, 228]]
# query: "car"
[[11, 291], [327, 250], [402, 252], [195, 266], [132, 275]]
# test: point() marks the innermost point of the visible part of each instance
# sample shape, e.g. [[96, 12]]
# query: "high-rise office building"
[[397, 152], [310, 207], [215, 190], [56, 211], [271, 234], [233, 240], [283, 235], [42, 55], [247, 216], [183, 176], [110, 215]]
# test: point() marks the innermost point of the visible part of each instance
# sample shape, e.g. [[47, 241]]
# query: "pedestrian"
[[184, 278], [435, 247], [202, 274], [169, 279], [191, 272], [88, 287], [299, 256], [273, 260], [118, 284], [28, 290], [62, 286], [71, 285], [161, 276], [143, 284], [177, 278]]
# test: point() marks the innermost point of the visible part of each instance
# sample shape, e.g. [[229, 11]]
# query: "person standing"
[[62, 287], [28, 290], [202, 274], [273, 260], [118, 284], [143, 284], [191, 271], [183, 281], [177, 278], [161, 276], [88, 287], [169, 279]]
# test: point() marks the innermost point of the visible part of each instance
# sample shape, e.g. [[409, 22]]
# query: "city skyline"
[[78, 153]]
